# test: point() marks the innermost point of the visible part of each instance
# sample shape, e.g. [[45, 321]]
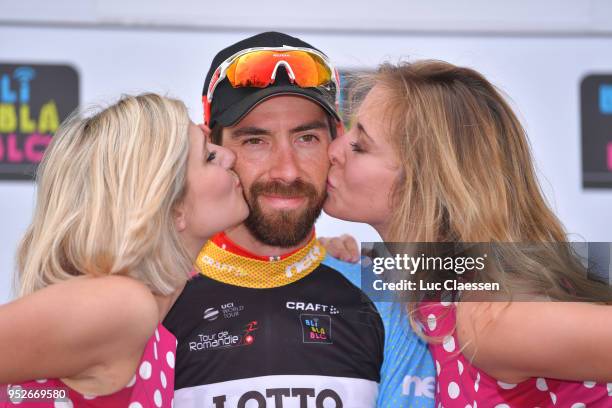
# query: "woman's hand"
[[344, 247]]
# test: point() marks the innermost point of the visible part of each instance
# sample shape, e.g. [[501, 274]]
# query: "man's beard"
[[283, 228]]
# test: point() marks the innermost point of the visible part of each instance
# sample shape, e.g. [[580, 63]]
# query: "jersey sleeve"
[[408, 376]]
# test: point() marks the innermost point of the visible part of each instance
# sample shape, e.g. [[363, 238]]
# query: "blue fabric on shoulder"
[[408, 375]]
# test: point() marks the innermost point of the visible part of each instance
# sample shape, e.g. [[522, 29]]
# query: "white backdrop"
[[540, 71]]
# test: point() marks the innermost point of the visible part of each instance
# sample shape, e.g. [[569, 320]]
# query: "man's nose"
[[284, 165]]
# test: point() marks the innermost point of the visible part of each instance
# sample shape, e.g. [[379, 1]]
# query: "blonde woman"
[[126, 198], [436, 155]]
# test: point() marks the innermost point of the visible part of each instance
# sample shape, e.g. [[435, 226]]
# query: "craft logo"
[[223, 267], [225, 338], [316, 328], [34, 100], [312, 307]]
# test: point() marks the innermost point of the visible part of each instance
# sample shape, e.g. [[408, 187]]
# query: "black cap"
[[230, 104]]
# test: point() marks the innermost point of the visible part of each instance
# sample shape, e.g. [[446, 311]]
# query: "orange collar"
[[222, 260]]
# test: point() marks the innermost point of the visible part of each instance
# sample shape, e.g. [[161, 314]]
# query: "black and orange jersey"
[[288, 332]]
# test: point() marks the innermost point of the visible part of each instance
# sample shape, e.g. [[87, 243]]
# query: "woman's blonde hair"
[[106, 192], [467, 175]]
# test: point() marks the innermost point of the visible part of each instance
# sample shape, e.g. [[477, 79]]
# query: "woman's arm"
[[562, 340], [68, 328]]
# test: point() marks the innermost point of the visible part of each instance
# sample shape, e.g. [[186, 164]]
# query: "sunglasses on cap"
[[257, 68]]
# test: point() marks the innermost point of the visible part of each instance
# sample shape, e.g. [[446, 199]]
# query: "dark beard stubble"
[[283, 229]]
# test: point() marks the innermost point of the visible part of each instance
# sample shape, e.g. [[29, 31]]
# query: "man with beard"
[[269, 321]]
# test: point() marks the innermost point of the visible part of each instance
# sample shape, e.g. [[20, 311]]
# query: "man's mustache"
[[297, 188]]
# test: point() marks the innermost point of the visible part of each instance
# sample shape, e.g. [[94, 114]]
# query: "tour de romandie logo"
[[220, 339], [316, 328]]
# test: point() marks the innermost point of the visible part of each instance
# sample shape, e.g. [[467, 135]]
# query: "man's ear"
[[180, 219]]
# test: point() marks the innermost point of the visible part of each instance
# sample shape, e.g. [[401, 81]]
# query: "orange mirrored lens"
[[251, 70], [309, 70], [255, 69]]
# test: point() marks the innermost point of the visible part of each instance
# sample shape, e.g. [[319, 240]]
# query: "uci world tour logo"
[[228, 310], [211, 314]]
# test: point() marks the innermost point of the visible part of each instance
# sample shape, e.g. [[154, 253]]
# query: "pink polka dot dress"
[[460, 384], [151, 386]]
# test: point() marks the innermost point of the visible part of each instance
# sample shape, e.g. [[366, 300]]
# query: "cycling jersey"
[[281, 332]]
